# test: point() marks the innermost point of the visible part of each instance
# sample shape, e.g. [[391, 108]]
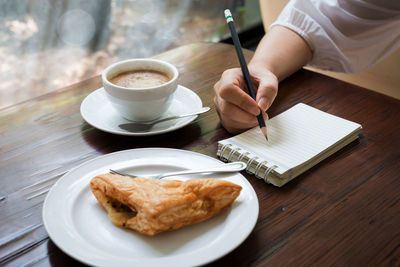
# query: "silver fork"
[[229, 167]]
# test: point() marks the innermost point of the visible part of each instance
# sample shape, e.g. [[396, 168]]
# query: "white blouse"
[[345, 35]]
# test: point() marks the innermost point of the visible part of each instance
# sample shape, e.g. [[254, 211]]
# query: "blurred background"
[[50, 44]]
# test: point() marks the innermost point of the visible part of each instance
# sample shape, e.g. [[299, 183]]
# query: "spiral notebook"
[[299, 138]]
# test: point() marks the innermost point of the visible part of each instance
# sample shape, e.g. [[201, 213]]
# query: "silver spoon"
[[229, 167], [147, 125]]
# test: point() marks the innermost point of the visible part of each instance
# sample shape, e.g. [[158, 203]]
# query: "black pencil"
[[244, 68]]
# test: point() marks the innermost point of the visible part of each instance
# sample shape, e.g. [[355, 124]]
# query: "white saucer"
[[98, 112]]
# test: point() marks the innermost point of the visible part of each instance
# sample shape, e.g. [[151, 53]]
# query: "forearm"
[[282, 52]]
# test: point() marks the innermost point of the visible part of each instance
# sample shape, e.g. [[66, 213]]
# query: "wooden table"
[[344, 211]]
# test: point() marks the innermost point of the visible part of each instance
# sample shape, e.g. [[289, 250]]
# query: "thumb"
[[266, 93]]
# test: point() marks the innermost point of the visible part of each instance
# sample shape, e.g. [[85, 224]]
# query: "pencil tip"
[[264, 131]]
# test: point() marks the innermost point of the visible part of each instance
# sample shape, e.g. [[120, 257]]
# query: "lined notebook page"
[[295, 136]]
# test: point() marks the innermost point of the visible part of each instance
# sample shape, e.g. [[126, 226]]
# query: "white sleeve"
[[345, 35]]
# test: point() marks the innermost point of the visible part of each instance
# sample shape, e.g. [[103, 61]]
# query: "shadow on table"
[[58, 258], [106, 142]]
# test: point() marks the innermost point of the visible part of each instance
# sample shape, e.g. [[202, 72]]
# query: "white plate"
[[98, 112], [79, 226]]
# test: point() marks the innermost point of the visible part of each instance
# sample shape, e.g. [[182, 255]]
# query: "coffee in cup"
[[140, 79], [140, 89]]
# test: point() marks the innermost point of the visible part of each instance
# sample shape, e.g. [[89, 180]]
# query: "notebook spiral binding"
[[223, 151], [249, 162], [242, 155], [258, 167], [232, 153], [268, 171]]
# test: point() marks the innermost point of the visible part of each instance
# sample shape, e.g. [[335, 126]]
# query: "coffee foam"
[[139, 78]]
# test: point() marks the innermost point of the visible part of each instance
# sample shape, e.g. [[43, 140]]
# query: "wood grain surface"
[[345, 211]]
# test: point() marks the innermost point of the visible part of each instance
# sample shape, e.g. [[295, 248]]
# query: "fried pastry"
[[153, 206]]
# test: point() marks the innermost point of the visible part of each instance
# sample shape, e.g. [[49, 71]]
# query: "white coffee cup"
[[141, 104]]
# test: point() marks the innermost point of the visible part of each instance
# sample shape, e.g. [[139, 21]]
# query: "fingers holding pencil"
[[233, 118], [267, 89], [236, 108], [231, 88]]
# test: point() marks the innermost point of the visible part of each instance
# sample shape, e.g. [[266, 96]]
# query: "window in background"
[[49, 44]]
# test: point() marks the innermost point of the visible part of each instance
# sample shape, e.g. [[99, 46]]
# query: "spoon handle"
[[229, 167], [202, 110]]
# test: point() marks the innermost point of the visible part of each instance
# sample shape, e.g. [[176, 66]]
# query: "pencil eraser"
[[228, 15]]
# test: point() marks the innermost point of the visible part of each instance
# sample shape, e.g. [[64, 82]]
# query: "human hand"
[[236, 108]]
